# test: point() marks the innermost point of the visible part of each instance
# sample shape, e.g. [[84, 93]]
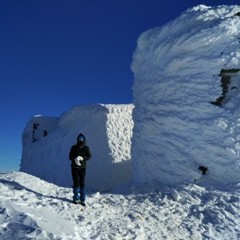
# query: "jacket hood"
[[81, 135]]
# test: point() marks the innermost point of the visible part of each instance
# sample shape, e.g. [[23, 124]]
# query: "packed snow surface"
[[35, 209], [177, 126]]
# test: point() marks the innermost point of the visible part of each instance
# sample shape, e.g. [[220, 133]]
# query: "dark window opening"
[[35, 127], [226, 85]]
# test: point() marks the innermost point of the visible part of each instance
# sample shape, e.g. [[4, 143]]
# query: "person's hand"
[[77, 160]]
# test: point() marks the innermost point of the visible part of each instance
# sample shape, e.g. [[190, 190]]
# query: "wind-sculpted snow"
[[180, 121], [108, 130]]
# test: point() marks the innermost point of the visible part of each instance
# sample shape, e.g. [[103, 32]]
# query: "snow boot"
[[76, 196], [83, 196]]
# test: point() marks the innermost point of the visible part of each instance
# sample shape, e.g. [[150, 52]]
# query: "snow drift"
[[186, 98], [108, 130]]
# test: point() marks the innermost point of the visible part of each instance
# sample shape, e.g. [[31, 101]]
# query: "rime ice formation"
[[186, 98], [108, 130]]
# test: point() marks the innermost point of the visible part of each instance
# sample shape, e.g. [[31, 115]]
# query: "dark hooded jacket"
[[80, 149]]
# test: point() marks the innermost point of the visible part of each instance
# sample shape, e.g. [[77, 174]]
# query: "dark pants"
[[78, 175]]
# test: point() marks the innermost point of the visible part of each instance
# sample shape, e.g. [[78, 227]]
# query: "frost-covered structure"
[[186, 97], [108, 130]]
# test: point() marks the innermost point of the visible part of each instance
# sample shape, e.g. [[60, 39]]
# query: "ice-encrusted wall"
[[179, 124]]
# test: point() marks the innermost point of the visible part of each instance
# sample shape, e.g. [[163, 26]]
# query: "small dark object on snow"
[[203, 169]]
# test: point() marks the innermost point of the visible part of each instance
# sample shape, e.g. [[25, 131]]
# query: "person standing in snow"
[[79, 154]]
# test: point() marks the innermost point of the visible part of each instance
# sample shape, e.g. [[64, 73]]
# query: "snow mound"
[[108, 130], [186, 98]]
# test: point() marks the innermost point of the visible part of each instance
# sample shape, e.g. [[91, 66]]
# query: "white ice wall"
[[108, 130], [176, 128]]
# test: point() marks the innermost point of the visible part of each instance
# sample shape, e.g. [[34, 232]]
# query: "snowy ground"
[[34, 209]]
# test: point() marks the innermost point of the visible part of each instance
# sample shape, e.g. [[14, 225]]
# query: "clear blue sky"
[[56, 54]]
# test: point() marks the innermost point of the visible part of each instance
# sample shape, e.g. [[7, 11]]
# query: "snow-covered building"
[[186, 112], [186, 98], [108, 130]]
